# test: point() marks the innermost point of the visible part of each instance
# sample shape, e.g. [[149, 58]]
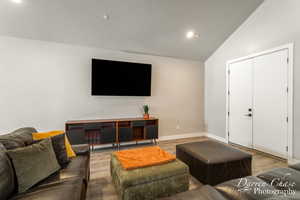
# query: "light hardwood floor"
[[101, 187]]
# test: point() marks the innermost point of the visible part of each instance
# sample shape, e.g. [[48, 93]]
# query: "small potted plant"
[[146, 111]]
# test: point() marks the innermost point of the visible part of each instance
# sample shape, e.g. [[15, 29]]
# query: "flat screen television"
[[115, 78]]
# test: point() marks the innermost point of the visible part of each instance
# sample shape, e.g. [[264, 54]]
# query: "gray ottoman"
[[149, 183], [213, 162]]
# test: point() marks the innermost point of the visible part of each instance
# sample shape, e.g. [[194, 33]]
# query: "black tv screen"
[[115, 78]]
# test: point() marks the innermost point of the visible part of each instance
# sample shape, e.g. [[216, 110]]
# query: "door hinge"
[[228, 92], [228, 72], [287, 119], [228, 133], [228, 113], [287, 89], [288, 60], [287, 148]]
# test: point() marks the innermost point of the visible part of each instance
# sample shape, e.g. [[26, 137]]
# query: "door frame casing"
[[290, 48]]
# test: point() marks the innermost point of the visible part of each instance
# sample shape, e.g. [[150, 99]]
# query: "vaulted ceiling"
[[145, 26]]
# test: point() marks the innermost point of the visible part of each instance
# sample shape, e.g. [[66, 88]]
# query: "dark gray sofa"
[[282, 181], [68, 183]]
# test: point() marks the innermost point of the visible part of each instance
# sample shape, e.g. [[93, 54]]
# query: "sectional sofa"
[[68, 183]]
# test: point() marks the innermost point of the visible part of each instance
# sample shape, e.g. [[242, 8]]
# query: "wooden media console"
[[112, 131]]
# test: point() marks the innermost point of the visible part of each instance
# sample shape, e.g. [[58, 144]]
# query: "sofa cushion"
[[24, 134], [74, 190], [18, 138], [78, 168], [9, 143], [59, 147], [7, 178], [39, 136], [282, 178], [249, 187], [33, 163]]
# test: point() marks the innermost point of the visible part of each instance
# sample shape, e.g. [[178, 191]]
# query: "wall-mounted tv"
[[115, 78]]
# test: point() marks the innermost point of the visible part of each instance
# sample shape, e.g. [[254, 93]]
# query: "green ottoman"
[[149, 182]]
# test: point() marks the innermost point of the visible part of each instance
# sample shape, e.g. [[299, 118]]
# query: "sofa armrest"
[[81, 149], [295, 166], [84, 150]]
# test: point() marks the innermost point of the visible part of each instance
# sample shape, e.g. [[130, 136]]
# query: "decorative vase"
[[146, 116]]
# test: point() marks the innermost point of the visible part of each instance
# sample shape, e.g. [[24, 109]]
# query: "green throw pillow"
[[33, 163]]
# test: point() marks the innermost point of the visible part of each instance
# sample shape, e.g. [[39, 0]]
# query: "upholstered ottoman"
[[149, 182], [213, 162]]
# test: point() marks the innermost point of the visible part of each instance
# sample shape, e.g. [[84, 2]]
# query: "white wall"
[[43, 84], [273, 24]]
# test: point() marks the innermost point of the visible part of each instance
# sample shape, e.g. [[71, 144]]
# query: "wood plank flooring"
[[101, 187]]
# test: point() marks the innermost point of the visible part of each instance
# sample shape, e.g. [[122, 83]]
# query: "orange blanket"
[[143, 157]]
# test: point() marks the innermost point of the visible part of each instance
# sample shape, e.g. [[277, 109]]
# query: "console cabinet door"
[[76, 136], [108, 135], [125, 134], [152, 132]]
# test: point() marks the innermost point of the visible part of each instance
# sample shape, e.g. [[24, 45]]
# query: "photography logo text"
[[277, 186]]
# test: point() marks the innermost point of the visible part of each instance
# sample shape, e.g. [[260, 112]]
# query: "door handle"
[[249, 115]]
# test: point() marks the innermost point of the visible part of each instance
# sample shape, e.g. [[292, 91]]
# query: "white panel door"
[[240, 103], [270, 75]]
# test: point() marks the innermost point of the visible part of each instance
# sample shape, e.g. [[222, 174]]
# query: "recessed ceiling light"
[[106, 17], [191, 35], [17, 1]]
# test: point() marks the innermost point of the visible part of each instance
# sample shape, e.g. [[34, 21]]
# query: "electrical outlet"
[[177, 126]]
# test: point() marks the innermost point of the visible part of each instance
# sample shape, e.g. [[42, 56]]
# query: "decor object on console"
[[146, 111], [112, 131]]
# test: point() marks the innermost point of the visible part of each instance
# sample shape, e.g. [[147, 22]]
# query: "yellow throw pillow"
[[39, 136]]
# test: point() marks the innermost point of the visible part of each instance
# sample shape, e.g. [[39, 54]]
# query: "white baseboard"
[[181, 136], [215, 137]]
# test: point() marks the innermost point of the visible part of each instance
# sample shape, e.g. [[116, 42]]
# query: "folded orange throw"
[[143, 157]]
